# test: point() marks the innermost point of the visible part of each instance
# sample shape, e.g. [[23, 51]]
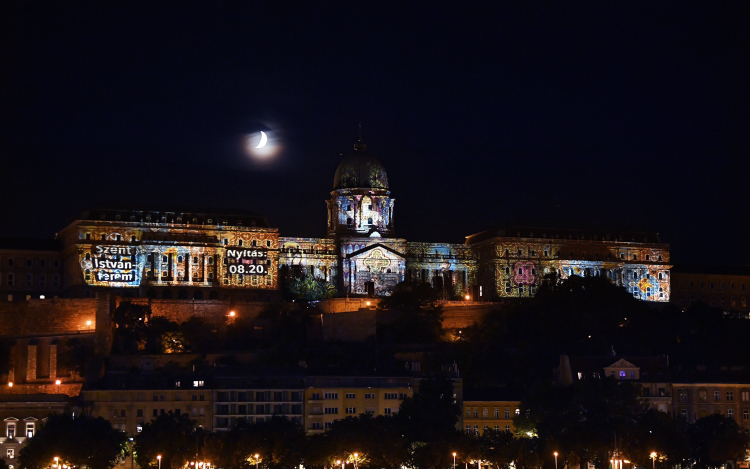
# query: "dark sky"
[[614, 114]]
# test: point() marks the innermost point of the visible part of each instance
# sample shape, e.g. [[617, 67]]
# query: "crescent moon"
[[263, 140]]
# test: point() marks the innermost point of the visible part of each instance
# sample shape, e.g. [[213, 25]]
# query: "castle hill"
[[209, 325], [374, 235]]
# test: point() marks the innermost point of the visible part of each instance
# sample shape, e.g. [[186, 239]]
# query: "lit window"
[[197, 384]]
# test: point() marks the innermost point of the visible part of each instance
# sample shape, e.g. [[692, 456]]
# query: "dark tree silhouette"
[[80, 441]]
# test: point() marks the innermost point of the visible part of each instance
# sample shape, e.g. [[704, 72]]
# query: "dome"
[[360, 170]]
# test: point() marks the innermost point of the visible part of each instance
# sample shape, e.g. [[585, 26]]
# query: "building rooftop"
[[563, 234], [650, 368], [177, 216]]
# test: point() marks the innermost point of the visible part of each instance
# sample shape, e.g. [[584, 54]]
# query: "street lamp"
[[256, 460], [653, 459], [356, 455], [555, 453], [454, 460], [158, 457], [56, 461]]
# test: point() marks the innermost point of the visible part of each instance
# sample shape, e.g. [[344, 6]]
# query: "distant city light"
[[58, 382]]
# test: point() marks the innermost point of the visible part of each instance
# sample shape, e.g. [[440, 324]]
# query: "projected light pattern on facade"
[[360, 254], [363, 214], [375, 269], [309, 256], [112, 266], [448, 266], [174, 254], [513, 263]]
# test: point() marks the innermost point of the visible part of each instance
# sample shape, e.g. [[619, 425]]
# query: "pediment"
[[622, 363], [371, 247]]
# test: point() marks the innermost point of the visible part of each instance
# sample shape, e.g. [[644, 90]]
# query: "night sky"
[[629, 115]]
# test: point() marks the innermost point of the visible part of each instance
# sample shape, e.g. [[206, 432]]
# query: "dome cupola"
[[360, 171]]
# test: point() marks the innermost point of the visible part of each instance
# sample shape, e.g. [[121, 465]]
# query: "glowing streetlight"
[[10, 384], [88, 323], [356, 455], [58, 382], [653, 459], [231, 314], [256, 460], [467, 297], [555, 453], [454, 460], [57, 460], [158, 457]]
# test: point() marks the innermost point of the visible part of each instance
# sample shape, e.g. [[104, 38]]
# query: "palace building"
[[238, 257]]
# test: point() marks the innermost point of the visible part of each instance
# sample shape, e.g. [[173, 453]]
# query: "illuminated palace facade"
[[238, 257]]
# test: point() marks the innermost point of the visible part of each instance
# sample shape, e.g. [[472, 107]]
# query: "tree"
[[278, 442], [130, 326], [428, 422], [716, 439], [308, 288], [417, 314], [78, 355], [660, 433], [581, 418], [377, 441], [78, 441], [171, 435]]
